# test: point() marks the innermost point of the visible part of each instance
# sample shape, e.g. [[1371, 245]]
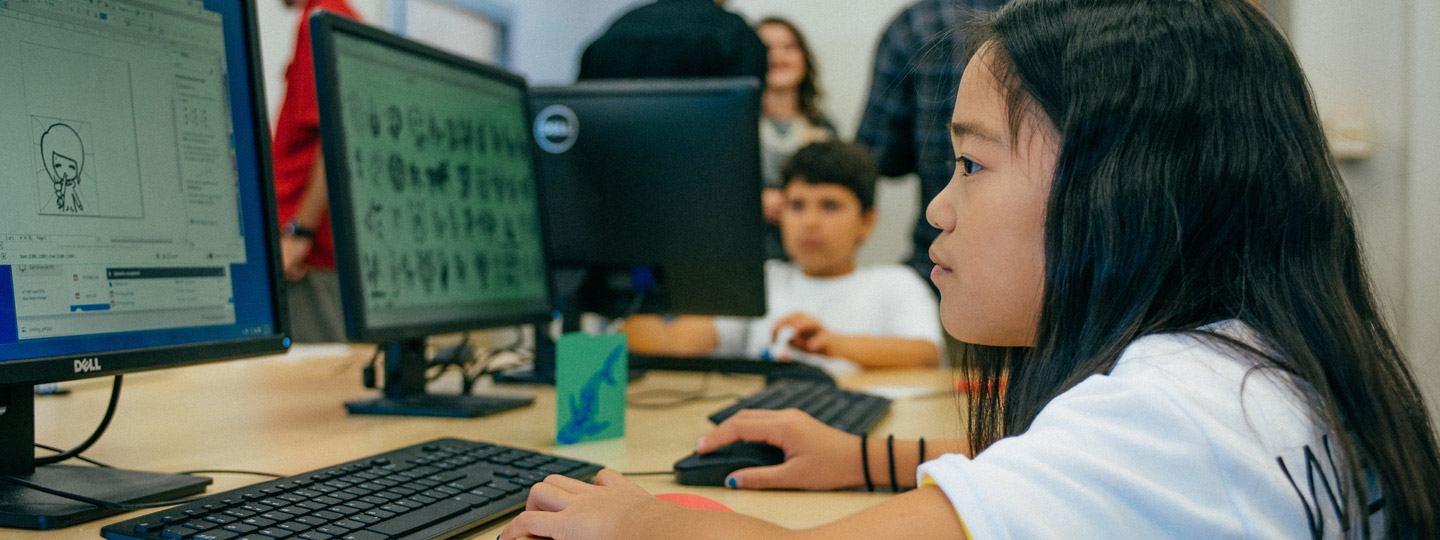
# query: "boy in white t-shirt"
[[879, 316]]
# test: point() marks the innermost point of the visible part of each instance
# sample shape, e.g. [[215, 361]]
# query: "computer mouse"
[[711, 469]]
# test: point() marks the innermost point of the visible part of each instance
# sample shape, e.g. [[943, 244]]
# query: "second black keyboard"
[[431, 490], [851, 412]]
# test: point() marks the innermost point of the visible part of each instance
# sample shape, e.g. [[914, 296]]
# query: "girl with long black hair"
[[1148, 239]]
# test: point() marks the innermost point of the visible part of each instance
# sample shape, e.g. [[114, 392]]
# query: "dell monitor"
[[654, 190], [434, 202], [138, 231]]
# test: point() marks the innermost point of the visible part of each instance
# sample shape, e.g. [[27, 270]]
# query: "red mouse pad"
[[690, 500]]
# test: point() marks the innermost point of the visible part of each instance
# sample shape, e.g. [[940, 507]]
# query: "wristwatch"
[[295, 229]]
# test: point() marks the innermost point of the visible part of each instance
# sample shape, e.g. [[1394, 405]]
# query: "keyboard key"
[[148, 527], [510, 488], [294, 526], [466, 499], [365, 535], [381, 514], [216, 534], [488, 493], [259, 522], [241, 528], [394, 509], [349, 524], [420, 518], [342, 510], [221, 519], [366, 519]]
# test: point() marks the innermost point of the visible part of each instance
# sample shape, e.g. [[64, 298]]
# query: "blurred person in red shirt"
[[306, 243]]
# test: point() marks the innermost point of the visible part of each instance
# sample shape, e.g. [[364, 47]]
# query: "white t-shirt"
[[1162, 447], [882, 301]]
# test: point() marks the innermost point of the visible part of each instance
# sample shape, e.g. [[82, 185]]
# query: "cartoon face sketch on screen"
[[65, 181]]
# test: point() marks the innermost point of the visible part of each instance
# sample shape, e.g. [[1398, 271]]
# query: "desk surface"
[[284, 415]]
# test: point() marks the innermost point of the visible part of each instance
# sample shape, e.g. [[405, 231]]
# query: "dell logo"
[[86, 365], [556, 129]]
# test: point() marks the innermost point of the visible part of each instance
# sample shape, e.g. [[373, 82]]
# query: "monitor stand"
[[25, 508], [404, 390]]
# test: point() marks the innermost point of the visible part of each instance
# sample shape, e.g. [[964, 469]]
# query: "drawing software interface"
[[442, 187], [122, 208]]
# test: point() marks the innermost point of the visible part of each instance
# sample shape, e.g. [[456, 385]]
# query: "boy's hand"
[[810, 335], [773, 201]]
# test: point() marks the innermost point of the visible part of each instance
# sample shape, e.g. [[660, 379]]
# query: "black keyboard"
[[851, 412], [436, 489]]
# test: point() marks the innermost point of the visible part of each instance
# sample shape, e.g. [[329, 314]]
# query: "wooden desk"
[[285, 415]]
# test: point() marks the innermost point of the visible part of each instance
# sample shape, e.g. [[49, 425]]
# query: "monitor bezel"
[[68, 367], [324, 27]]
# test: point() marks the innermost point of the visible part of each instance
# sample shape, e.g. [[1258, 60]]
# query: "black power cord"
[[104, 423], [81, 458], [74, 453]]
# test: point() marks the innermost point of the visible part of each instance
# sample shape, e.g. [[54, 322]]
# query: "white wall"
[[549, 35], [1354, 54], [1375, 62], [1422, 329]]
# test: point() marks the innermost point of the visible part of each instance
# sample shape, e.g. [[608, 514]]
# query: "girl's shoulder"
[[1222, 385], [1221, 352]]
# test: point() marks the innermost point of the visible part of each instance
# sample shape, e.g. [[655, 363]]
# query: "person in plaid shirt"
[[912, 94]]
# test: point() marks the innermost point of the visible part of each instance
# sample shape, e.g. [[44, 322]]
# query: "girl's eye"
[[967, 166]]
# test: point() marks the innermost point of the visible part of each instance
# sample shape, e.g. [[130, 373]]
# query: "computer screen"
[[654, 190], [433, 194], [138, 231]]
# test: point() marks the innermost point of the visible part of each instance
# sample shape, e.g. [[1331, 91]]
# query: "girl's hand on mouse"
[[564, 508], [817, 457]]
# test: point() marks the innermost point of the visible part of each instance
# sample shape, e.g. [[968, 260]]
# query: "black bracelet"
[[922, 450], [890, 449], [865, 463]]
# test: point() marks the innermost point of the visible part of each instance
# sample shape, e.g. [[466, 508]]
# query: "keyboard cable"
[[91, 500], [685, 397]]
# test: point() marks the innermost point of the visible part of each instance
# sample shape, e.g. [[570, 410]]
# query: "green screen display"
[[442, 188]]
